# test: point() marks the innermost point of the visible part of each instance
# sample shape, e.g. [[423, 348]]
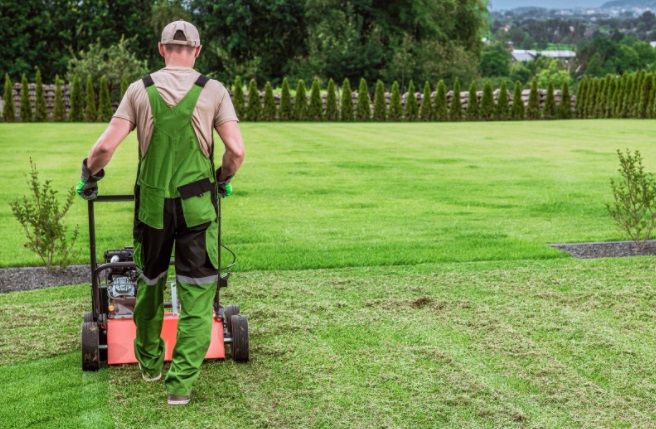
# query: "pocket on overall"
[[197, 204], [212, 243], [151, 205]]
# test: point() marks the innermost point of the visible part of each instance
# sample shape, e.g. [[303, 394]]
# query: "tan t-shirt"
[[213, 108]]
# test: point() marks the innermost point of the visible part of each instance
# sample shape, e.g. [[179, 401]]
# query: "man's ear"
[[161, 49], [198, 51]]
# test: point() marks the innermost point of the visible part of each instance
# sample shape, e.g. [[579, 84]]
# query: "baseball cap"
[[190, 32]]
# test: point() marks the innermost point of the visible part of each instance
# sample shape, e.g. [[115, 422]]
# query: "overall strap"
[[187, 105]]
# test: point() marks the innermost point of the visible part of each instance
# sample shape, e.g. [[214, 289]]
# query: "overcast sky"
[[509, 4]]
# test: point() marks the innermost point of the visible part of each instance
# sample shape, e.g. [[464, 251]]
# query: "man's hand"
[[87, 187], [224, 188]]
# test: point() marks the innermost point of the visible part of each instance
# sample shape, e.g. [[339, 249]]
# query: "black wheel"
[[239, 346], [230, 310], [88, 316], [90, 349]]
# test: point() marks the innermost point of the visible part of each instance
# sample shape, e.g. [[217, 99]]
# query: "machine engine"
[[121, 283]]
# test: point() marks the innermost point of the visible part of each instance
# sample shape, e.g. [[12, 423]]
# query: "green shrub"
[[591, 102], [487, 102], [502, 109], [269, 110], [581, 97], [610, 97], [90, 111], [533, 108], [76, 114], [441, 113], [550, 109], [8, 112], [25, 104], [472, 113], [124, 86], [518, 112], [426, 108], [41, 111], [625, 112], [104, 103], [455, 108], [346, 114], [315, 113], [619, 97], [411, 109], [300, 102], [395, 107], [363, 112], [645, 99], [286, 111], [565, 106], [380, 104], [254, 102], [332, 114], [58, 105], [41, 217], [600, 102], [238, 99]]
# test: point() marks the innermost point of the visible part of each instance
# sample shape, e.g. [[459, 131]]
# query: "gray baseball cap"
[[190, 32]]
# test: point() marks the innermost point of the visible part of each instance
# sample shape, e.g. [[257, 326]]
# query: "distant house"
[[652, 44], [529, 55]]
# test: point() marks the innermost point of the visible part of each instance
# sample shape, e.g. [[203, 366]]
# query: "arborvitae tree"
[[254, 107], [411, 108], [380, 104], [41, 111], [426, 109], [502, 109], [104, 103], [90, 110], [25, 104], [286, 111], [58, 107], [652, 99], [600, 102], [517, 112], [76, 112], [315, 113], [635, 99], [610, 97], [619, 96], [363, 112], [645, 98], [565, 106], [395, 108], [581, 97], [300, 102], [441, 111], [626, 100], [124, 86], [473, 110], [455, 108], [8, 112], [533, 108], [269, 110], [608, 92], [487, 102], [550, 109], [332, 114], [346, 113], [238, 99]]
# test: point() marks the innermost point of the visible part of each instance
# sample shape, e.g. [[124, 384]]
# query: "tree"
[[611, 88], [411, 108], [363, 112], [502, 111], [238, 100], [286, 109], [269, 110], [332, 114], [41, 111], [90, 111], [441, 113], [104, 103], [254, 102], [395, 108], [550, 109], [626, 97], [426, 109], [346, 114], [565, 106], [473, 111], [533, 108], [316, 105], [495, 60], [380, 104], [487, 102], [8, 112], [76, 114], [124, 87], [517, 111], [58, 105], [619, 96], [645, 99], [581, 97], [455, 108], [300, 102], [600, 104], [25, 104]]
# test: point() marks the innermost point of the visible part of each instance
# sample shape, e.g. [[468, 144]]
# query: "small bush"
[[395, 108], [300, 102], [124, 86], [502, 109], [411, 109], [533, 108], [254, 102], [380, 104], [332, 114], [269, 110], [104, 103], [90, 111], [472, 113], [487, 102], [645, 98], [550, 110], [286, 109], [8, 112], [634, 194], [565, 106], [58, 108], [315, 112], [40, 111], [25, 104], [363, 112], [517, 112], [441, 113], [346, 114], [426, 109], [238, 99], [41, 216], [75, 114], [455, 108], [581, 96]]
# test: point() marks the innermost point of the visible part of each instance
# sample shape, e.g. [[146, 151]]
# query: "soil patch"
[[29, 278], [608, 249]]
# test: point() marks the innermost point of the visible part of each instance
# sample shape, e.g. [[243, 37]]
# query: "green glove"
[[223, 187], [87, 187]]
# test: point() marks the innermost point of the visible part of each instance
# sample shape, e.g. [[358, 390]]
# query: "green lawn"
[[394, 275]]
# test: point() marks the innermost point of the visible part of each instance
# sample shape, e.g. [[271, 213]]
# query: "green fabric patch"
[[212, 243]]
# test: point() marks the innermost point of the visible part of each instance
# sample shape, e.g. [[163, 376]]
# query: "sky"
[[509, 4]]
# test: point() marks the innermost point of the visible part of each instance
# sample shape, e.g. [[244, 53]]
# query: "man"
[[175, 111]]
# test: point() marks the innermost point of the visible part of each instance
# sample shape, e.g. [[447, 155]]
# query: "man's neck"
[[180, 62]]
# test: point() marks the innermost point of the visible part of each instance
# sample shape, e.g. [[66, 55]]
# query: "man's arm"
[[117, 130], [234, 148]]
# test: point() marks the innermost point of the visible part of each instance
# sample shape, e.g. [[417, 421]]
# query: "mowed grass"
[[340, 195]]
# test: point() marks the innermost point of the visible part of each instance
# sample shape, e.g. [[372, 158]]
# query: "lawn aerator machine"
[[108, 331]]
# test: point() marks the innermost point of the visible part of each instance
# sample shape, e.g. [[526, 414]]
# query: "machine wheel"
[[90, 349], [239, 346], [88, 316], [230, 310]]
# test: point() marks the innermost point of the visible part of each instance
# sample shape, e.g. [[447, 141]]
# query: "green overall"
[[175, 205]]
